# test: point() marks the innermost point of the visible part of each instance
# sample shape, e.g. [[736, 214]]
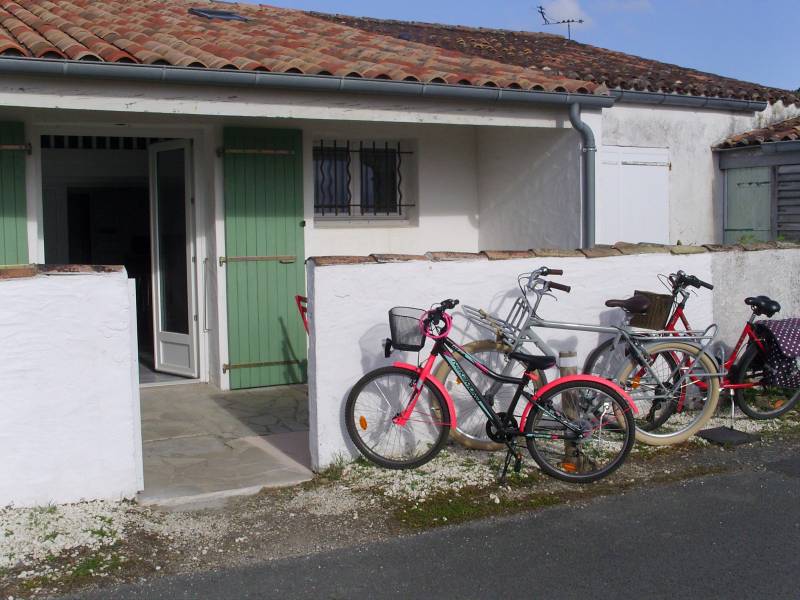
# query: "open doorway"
[[127, 200]]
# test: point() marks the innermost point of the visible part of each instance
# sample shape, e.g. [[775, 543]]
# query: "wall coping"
[[600, 251], [32, 270]]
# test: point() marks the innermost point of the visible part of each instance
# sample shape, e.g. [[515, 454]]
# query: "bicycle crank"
[[510, 427]]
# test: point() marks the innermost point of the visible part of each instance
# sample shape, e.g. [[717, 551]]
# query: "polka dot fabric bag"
[[782, 338]]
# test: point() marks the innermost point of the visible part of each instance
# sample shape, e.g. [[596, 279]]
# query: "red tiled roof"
[[273, 39], [559, 56], [784, 131]]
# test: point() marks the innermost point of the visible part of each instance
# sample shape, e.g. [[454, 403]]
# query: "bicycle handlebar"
[[681, 280], [557, 286]]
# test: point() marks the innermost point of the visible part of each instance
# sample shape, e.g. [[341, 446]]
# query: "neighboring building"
[[211, 148], [762, 183]]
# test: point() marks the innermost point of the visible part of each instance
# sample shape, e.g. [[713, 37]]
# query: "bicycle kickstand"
[[514, 454]]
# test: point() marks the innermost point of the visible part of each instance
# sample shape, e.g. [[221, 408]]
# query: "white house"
[[211, 149]]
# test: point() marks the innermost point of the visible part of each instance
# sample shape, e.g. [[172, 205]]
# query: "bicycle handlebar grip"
[[557, 286], [705, 285], [555, 271]]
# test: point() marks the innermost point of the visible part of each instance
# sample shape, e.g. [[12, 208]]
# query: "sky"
[[751, 40]]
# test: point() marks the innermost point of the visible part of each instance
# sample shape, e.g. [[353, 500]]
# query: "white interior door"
[[172, 240], [632, 195]]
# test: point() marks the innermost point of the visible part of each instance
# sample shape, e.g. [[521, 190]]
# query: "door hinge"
[[195, 318]]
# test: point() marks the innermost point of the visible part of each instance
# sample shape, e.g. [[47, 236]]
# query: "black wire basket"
[[406, 332], [657, 315]]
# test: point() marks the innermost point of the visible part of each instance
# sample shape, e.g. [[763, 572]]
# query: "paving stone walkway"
[[201, 444]]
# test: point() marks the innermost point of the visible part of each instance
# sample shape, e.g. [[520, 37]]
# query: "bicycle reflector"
[[363, 422]]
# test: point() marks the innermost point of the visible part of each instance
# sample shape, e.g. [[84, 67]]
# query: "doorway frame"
[[203, 210]]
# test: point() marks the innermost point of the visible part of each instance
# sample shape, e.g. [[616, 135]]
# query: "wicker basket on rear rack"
[[657, 315], [406, 332]]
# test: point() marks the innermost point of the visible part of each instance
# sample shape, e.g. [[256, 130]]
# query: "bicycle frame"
[[748, 333], [446, 348]]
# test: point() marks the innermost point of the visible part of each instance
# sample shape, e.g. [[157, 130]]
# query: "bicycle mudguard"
[[579, 377], [438, 385]]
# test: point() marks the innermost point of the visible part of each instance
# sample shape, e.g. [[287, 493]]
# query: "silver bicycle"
[[670, 375]]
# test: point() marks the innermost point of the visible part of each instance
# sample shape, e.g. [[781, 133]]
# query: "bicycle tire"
[[747, 367], [604, 352], [625, 432], [594, 357], [467, 432], [437, 421], [709, 404]]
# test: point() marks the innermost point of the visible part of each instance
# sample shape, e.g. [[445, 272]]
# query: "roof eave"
[[289, 81]]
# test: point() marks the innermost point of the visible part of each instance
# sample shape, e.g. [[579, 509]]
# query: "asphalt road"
[[725, 536]]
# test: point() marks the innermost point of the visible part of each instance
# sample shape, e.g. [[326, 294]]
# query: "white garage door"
[[632, 200]]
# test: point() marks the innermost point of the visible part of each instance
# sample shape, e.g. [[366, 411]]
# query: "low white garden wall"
[[348, 306], [70, 426]]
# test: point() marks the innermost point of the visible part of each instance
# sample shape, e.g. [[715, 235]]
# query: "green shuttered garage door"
[[13, 208], [265, 256]]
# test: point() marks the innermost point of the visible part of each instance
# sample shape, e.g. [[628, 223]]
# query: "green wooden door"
[[265, 256], [13, 206]]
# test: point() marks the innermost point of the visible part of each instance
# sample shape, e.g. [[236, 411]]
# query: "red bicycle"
[[746, 368]]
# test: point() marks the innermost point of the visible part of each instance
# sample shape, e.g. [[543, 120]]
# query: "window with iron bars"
[[361, 180]]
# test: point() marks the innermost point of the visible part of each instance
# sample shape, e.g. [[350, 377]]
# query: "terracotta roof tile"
[[784, 131], [272, 39], [557, 56]]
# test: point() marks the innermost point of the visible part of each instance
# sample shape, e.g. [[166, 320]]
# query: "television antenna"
[[568, 22]]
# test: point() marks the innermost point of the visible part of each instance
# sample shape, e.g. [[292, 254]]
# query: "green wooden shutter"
[[13, 206], [748, 209], [263, 220]]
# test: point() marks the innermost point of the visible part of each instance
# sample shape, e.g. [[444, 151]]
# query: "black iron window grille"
[[363, 180]]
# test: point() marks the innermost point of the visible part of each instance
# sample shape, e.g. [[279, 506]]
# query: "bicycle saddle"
[[534, 362], [763, 305], [635, 304]]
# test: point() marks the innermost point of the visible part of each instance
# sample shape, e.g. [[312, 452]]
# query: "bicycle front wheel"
[[679, 379], [470, 429], [580, 431], [371, 415], [763, 400]]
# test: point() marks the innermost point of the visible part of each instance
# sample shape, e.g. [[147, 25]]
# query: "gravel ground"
[[57, 549]]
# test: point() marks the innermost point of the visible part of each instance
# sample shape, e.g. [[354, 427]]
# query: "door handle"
[[284, 260]]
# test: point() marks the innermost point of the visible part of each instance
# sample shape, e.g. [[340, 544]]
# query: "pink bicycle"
[[577, 428]]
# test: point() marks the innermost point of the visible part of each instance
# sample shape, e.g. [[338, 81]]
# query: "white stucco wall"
[[529, 188], [695, 183], [737, 275], [349, 306], [69, 407]]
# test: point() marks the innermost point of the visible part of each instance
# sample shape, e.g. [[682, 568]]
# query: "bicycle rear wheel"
[[763, 400], [370, 415], [607, 359], [690, 392], [604, 436]]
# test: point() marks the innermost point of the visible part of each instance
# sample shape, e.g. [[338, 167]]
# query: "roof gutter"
[[287, 81], [662, 99], [785, 146]]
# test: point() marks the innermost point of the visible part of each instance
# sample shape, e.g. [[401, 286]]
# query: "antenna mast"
[[567, 22]]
